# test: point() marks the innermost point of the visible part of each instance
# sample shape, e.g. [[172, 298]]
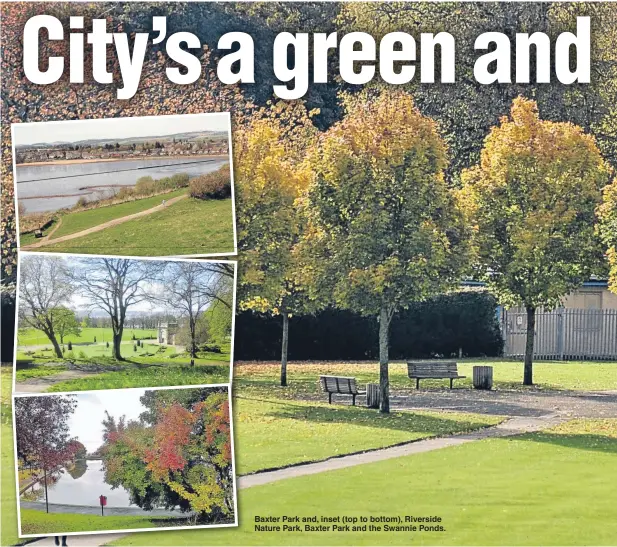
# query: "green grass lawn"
[[188, 227], [82, 220], [318, 431], [35, 337], [8, 530], [549, 488], [38, 371], [172, 375], [39, 522], [260, 379]]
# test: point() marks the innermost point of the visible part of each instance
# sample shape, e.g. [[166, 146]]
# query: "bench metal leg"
[[417, 383], [329, 397], [451, 380], [353, 401]]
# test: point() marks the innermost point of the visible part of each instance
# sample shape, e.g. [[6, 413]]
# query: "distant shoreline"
[[101, 160]]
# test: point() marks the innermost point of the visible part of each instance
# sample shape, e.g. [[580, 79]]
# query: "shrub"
[[70, 346], [81, 202], [145, 186], [216, 185], [82, 355], [180, 180], [69, 355]]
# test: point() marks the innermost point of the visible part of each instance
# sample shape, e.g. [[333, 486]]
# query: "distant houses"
[[207, 147]]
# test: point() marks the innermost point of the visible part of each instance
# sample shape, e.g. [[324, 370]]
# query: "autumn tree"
[[177, 455], [113, 285], [381, 212], [608, 229], [42, 433], [271, 174], [44, 289], [532, 199]]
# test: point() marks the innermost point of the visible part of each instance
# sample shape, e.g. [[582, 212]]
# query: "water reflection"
[[80, 488], [88, 183]]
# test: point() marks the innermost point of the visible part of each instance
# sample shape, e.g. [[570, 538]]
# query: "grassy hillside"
[[188, 227], [82, 220]]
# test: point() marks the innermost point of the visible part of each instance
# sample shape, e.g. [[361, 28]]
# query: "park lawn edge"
[[369, 450]]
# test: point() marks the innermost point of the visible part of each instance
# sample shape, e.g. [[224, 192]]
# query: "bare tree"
[[191, 287], [115, 284], [44, 288]]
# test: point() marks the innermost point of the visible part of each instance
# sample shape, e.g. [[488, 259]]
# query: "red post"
[[103, 502]]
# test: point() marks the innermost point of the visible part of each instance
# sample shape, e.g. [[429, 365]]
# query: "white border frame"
[[102, 120], [66, 256], [155, 529]]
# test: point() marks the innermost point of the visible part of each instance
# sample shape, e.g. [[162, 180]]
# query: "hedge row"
[[443, 326]]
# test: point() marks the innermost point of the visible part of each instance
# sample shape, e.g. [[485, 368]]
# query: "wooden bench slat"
[[433, 370]]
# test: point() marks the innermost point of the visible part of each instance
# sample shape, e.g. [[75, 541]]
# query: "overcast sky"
[[87, 422], [117, 128]]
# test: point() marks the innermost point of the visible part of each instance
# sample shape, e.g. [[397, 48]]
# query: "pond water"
[[81, 486], [42, 188]]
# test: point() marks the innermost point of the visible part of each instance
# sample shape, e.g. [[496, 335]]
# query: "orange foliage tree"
[[178, 455]]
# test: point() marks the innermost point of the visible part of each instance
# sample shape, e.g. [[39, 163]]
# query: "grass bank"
[[39, 522], [187, 227], [82, 220]]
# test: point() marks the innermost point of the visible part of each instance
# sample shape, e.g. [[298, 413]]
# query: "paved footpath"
[[513, 426]]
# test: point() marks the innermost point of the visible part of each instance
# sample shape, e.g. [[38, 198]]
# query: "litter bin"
[[373, 397], [482, 377]]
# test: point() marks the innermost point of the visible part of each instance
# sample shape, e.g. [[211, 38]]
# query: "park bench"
[[434, 369], [340, 384]]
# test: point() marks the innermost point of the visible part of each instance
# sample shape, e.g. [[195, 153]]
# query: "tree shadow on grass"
[[584, 441], [410, 422]]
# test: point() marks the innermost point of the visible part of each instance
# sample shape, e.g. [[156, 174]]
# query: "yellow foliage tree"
[[388, 228], [608, 230], [271, 173], [533, 198]]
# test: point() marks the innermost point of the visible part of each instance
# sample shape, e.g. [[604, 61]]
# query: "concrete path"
[[94, 540], [96, 510], [105, 225], [513, 426]]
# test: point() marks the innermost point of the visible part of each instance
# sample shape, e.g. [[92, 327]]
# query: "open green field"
[[82, 220], [187, 227], [259, 379], [317, 431], [549, 488], [35, 337]]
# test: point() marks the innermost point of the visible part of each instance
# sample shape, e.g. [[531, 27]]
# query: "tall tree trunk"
[[531, 330], [284, 349], [57, 348], [384, 380], [192, 323], [117, 339]]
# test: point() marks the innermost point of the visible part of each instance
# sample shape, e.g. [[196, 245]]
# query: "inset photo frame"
[[129, 460], [139, 186]]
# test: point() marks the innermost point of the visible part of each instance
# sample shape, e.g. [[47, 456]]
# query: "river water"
[[81, 487], [67, 183]]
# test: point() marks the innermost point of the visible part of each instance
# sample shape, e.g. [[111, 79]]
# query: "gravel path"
[[575, 404], [42, 383]]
